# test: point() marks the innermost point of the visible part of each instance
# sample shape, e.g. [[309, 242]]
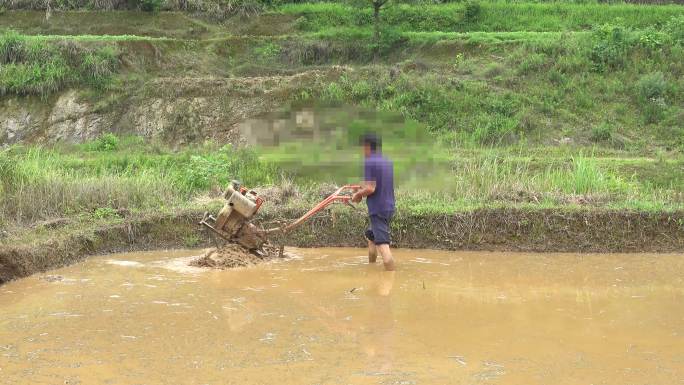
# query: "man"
[[378, 188]]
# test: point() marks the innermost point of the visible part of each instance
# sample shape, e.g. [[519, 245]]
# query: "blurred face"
[[366, 149]]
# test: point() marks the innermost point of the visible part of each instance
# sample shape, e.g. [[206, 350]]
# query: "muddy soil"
[[232, 255]]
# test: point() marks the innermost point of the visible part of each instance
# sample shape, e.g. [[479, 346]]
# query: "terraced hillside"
[[109, 117]]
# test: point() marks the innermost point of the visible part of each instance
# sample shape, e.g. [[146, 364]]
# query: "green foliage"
[[105, 213], [585, 177], [34, 78], [151, 5], [472, 11], [11, 47], [611, 44], [675, 28], [41, 183], [267, 52], [98, 66], [106, 142], [200, 172]]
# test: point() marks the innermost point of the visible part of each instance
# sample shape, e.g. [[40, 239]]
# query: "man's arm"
[[367, 189]]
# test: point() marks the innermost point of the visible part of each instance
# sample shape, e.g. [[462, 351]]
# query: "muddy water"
[[328, 318]]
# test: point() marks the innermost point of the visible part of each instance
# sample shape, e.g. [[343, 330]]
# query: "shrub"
[[106, 142], [151, 5], [361, 90], [652, 86], [389, 39], [472, 11], [333, 92], [611, 44], [652, 39]]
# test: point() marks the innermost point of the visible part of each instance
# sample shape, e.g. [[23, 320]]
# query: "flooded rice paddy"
[[326, 317]]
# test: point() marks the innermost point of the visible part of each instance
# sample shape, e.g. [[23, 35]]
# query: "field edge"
[[503, 229]]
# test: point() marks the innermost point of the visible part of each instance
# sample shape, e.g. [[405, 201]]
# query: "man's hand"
[[367, 189], [357, 197]]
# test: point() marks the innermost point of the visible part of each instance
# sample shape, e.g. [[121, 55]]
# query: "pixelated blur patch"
[[322, 142]]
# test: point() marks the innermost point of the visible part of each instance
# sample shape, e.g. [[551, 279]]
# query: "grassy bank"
[[112, 178], [485, 16], [484, 229]]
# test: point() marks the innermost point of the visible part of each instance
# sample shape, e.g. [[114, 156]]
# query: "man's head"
[[371, 144]]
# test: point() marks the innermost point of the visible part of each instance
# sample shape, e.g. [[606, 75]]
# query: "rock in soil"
[[233, 255]]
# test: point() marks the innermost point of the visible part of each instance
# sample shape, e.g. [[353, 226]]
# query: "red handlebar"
[[334, 197]]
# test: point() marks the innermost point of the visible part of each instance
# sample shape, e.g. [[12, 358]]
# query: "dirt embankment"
[[486, 229], [174, 110]]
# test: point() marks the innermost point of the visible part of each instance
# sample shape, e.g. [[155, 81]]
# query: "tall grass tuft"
[[42, 67]]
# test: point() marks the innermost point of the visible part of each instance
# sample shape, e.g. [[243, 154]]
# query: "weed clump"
[[601, 133], [651, 90]]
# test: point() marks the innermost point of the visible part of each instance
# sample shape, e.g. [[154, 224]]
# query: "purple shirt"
[[379, 169]]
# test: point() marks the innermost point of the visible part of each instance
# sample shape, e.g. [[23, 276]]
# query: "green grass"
[[110, 173]]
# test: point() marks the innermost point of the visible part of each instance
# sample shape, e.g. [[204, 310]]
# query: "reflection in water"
[[330, 318], [379, 347]]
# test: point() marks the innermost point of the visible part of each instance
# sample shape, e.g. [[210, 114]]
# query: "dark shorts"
[[379, 230]]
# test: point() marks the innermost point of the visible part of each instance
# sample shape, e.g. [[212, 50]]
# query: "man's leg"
[[386, 254], [380, 229], [372, 252]]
